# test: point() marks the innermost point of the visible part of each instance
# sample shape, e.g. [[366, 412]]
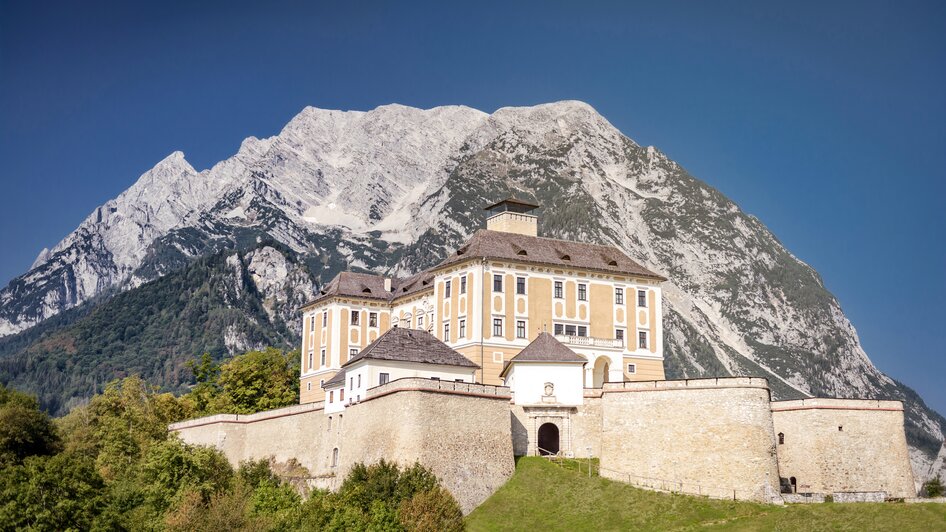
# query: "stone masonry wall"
[[460, 431], [710, 437], [844, 446]]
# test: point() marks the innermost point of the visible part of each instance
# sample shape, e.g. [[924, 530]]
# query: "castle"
[[518, 344]]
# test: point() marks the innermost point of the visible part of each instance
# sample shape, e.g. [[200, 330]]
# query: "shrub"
[[434, 510], [933, 487]]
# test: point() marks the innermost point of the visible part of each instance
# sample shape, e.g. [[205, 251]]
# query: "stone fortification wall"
[[461, 431], [711, 437], [844, 446]]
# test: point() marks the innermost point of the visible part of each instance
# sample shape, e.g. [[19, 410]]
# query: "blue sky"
[[825, 120]]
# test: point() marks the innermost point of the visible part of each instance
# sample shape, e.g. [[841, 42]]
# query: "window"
[[558, 290], [632, 368], [359, 380], [521, 285], [321, 383], [351, 383], [311, 359], [559, 329], [618, 296], [312, 326], [420, 322], [781, 438], [335, 457], [570, 330], [373, 319], [384, 378], [331, 399], [582, 330], [497, 283], [642, 339], [354, 317], [322, 357], [619, 335], [463, 284], [446, 332], [497, 326], [341, 397], [462, 330], [446, 289], [308, 386], [582, 292], [329, 423], [641, 298], [840, 428], [324, 318], [520, 329]]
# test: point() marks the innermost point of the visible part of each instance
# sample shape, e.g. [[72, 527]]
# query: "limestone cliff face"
[[396, 189]]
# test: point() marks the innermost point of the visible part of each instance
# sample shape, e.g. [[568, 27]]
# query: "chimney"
[[513, 216], [387, 284]]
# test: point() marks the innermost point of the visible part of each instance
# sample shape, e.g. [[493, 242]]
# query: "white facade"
[[368, 373], [530, 382]]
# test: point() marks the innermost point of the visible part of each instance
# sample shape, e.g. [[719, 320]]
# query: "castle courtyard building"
[[491, 298]]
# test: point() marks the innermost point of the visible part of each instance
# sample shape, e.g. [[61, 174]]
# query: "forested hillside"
[[214, 306]]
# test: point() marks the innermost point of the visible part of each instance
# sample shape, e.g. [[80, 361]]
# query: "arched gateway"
[[548, 439]]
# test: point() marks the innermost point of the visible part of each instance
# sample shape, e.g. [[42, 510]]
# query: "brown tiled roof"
[[532, 249], [411, 345], [371, 286], [338, 379]]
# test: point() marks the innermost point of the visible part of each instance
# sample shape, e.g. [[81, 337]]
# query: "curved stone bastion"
[[711, 437], [460, 431]]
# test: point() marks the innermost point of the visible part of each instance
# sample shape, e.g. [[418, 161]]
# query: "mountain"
[[396, 189]]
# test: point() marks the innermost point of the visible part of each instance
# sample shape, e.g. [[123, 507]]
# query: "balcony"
[[591, 341]]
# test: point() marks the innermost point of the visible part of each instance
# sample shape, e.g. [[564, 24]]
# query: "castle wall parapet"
[[487, 391], [825, 403], [689, 384]]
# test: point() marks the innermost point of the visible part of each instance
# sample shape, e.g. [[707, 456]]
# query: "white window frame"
[[642, 298], [643, 336], [525, 332], [446, 289], [582, 292], [632, 369], [461, 328], [499, 322]]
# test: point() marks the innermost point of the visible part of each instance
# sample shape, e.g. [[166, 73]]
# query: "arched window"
[[335, 457], [330, 423], [781, 438]]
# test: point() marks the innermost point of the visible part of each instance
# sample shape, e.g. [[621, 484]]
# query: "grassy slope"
[[543, 496]]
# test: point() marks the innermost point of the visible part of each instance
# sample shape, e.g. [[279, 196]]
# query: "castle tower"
[[513, 216]]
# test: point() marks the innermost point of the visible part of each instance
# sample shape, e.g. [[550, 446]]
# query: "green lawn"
[[544, 497]]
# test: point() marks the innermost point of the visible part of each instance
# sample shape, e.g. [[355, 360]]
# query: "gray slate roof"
[[337, 380], [533, 249], [411, 345], [545, 348]]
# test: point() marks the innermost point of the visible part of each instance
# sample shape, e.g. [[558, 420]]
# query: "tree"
[[257, 381], [24, 429], [173, 468], [61, 492]]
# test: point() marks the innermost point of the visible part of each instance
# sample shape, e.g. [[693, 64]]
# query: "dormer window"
[[521, 252], [366, 291], [612, 262], [566, 257]]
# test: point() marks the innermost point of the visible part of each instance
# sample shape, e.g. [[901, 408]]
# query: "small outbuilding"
[[396, 354], [546, 373]]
